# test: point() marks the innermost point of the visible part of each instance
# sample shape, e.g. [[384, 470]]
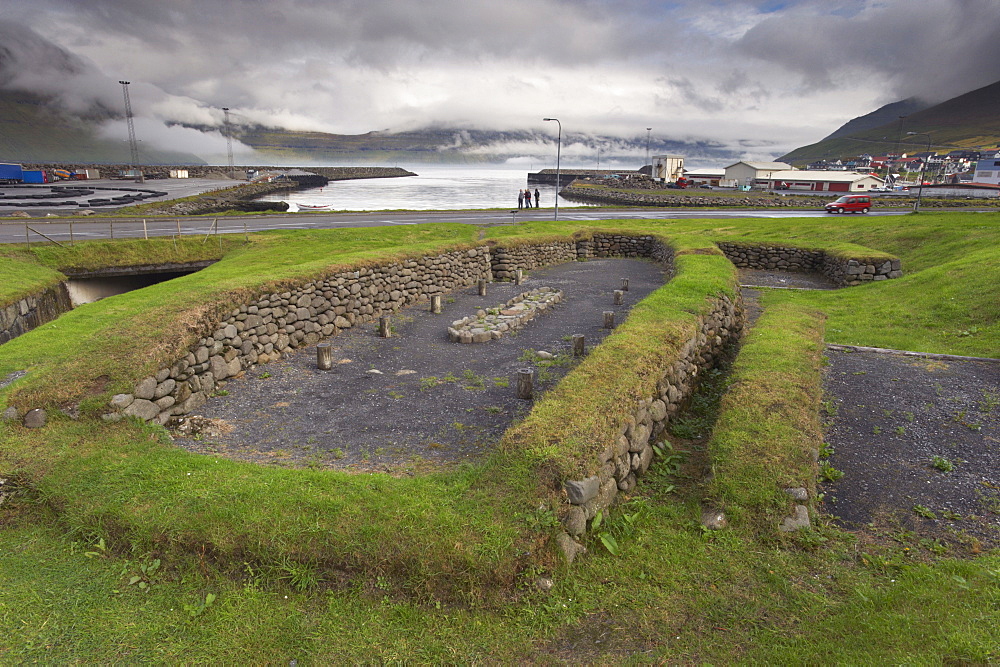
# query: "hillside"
[[32, 131], [967, 121]]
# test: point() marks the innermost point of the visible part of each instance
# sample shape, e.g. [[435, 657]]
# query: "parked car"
[[850, 204]]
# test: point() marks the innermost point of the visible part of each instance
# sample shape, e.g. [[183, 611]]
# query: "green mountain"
[[33, 130], [969, 121]]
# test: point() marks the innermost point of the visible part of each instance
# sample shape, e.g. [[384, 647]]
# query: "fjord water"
[[433, 188]]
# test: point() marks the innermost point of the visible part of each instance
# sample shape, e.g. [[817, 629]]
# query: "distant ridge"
[[969, 121]]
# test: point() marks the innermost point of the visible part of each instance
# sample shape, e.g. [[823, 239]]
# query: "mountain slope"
[[32, 131], [889, 113], [970, 121]]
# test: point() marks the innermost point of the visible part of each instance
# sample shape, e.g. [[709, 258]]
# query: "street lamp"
[[558, 154], [648, 130], [229, 144], [923, 165]]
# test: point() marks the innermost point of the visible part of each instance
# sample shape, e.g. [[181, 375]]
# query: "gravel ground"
[[785, 279], [414, 399], [917, 440]]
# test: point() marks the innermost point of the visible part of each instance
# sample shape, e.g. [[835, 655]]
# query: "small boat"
[[308, 207]]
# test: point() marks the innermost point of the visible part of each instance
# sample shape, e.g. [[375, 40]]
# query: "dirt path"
[[415, 399]]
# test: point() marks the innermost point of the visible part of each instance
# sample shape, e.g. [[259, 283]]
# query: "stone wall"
[[842, 271], [32, 311], [630, 454], [273, 324]]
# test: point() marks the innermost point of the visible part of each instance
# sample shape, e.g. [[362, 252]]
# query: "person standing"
[[527, 198], [520, 199], [536, 197]]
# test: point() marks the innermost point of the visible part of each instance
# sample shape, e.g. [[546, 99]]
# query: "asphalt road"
[[78, 229]]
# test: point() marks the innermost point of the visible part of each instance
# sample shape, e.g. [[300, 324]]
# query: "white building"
[[668, 168], [819, 181], [745, 173], [705, 176], [988, 171]]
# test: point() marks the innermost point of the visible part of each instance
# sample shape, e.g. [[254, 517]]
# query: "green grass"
[[323, 566]]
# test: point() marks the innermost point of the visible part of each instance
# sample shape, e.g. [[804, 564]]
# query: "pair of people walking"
[[524, 198]]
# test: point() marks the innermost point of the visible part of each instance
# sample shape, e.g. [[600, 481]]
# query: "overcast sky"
[[763, 76]]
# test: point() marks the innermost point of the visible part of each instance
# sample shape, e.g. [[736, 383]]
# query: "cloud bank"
[[766, 74]]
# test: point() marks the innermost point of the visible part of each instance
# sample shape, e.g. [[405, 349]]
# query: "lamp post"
[[923, 165], [229, 144], [558, 155], [648, 130]]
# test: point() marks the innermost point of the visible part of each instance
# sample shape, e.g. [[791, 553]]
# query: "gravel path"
[[917, 440], [414, 399]]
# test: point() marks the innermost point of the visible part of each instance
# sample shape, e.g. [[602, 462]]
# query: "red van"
[[850, 204]]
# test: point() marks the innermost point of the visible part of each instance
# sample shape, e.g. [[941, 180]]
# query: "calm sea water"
[[434, 187]]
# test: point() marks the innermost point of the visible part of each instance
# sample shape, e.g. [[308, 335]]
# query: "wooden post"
[[436, 304], [27, 239], [246, 234], [518, 276], [112, 226], [178, 227], [624, 284], [384, 326], [71, 233], [482, 287], [609, 319], [578, 345], [145, 232], [525, 383], [619, 296], [324, 357]]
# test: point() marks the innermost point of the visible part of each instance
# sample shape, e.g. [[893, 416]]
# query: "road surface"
[[79, 229]]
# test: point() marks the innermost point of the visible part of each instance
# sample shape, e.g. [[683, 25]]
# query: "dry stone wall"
[[273, 324], [34, 310], [842, 271], [630, 454]]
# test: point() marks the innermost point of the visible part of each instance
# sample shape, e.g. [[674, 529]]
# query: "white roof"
[[819, 175], [763, 165], [705, 172]]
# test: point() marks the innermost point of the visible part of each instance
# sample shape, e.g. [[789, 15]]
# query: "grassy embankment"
[[672, 591]]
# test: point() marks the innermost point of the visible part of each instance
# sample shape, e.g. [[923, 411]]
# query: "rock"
[[798, 494], [542, 354], [797, 521], [714, 519], [35, 418], [142, 409], [10, 414], [575, 521], [544, 584], [570, 547], [584, 490], [146, 388]]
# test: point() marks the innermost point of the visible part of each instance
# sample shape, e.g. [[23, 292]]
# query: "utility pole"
[[133, 147], [229, 144]]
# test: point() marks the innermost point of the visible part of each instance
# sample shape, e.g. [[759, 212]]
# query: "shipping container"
[[11, 173], [34, 176], [178, 173]]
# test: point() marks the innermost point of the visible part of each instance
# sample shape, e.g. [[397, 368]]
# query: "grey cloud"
[[933, 49]]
